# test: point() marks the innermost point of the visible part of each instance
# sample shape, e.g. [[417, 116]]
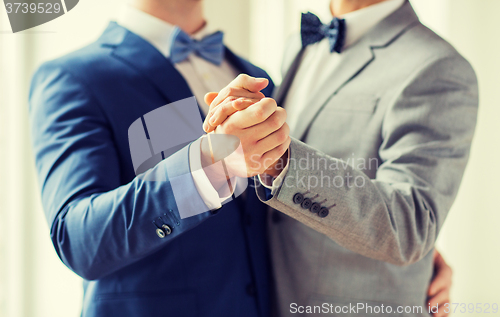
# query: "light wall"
[[34, 282], [470, 238]]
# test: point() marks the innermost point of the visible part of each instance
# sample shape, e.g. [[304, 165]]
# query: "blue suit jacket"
[[101, 216]]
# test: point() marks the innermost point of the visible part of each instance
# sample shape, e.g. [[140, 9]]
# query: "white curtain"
[[34, 282]]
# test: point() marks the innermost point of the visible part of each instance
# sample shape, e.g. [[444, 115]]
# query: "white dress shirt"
[[318, 64], [201, 76]]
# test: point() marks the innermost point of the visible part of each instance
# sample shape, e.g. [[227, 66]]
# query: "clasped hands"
[[246, 129]]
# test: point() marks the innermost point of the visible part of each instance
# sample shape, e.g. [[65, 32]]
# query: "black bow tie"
[[313, 31]]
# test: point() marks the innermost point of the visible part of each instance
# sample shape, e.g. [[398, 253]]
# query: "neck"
[[186, 14], [341, 7]]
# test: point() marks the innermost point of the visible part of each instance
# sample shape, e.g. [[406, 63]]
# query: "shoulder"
[[93, 63], [426, 47], [421, 53], [90, 64], [62, 84]]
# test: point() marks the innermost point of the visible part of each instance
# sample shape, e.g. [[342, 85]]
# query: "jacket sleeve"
[[98, 224], [426, 138]]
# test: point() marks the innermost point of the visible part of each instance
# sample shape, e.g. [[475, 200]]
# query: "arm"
[[426, 137], [395, 217], [98, 224]]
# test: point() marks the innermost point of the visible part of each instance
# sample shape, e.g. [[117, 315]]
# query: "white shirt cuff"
[[208, 194], [273, 183]]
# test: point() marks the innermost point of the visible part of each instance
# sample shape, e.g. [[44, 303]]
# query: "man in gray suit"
[[381, 113]]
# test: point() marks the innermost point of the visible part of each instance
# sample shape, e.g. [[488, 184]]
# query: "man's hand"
[[439, 290], [262, 138], [242, 98], [241, 93]]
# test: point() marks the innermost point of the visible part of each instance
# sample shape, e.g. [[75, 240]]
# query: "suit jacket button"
[[164, 231], [298, 198], [167, 229], [315, 207], [160, 233], [323, 212], [306, 204]]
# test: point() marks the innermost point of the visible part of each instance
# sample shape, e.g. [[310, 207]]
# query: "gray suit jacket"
[[382, 148]]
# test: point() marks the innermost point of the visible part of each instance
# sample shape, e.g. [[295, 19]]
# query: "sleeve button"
[[298, 198], [160, 233], [306, 204], [166, 229], [315, 208], [323, 212]]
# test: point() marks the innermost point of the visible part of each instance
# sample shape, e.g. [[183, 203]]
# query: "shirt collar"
[[154, 30], [359, 22]]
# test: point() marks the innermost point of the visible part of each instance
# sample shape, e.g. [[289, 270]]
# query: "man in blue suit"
[[122, 234]]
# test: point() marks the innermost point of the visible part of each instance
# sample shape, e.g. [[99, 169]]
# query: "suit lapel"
[[237, 62], [354, 60], [243, 66], [288, 79]]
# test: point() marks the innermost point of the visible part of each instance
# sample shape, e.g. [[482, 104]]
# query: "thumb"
[[259, 84], [249, 83], [209, 97]]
